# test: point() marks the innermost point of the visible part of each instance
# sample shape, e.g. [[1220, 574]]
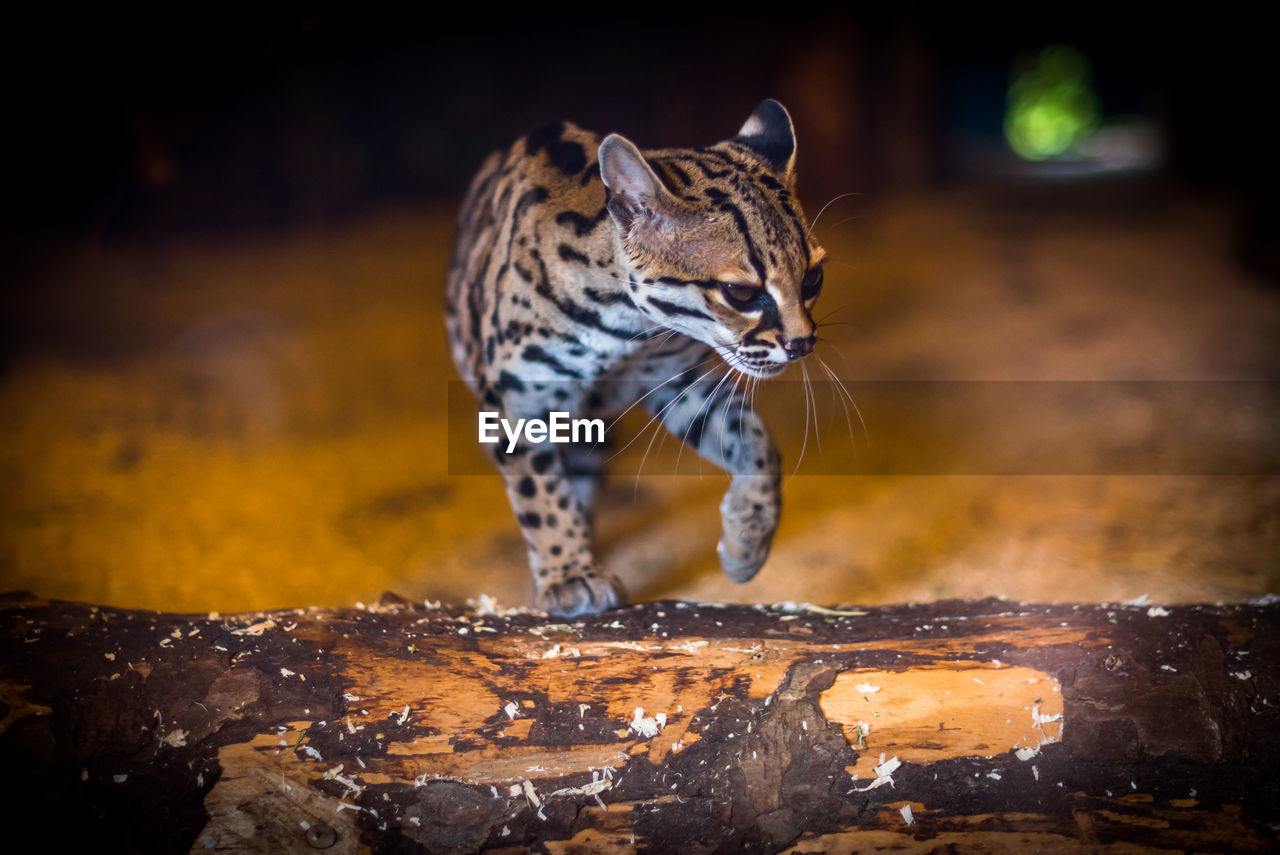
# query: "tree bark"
[[664, 727]]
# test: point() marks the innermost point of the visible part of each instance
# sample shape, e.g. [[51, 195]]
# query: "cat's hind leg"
[[584, 465], [557, 532]]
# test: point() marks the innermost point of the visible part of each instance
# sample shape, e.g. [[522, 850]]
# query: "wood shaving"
[[647, 728], [255, 629], [598, 785], [335, 774], [175, 738], [884, 773]]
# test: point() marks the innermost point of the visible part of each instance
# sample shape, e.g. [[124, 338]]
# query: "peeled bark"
[[666, 727]]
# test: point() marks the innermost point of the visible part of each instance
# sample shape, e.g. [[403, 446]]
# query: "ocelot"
[[588, 276]]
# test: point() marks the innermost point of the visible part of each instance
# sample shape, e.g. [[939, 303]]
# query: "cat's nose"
[[798, 347]]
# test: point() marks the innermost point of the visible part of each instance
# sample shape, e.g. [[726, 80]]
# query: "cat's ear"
[[769, 133], [635, 192]]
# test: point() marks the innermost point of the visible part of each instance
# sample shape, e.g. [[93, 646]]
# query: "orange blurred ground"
[[239, 425]]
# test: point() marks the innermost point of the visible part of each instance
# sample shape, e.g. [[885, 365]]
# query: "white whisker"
[[659, 414], [813, 400], [632, 405], [645, 332], [846, 220], [706, 402], [824, 208], [805, 442], [835, 397], [839, 384], [724, 411]]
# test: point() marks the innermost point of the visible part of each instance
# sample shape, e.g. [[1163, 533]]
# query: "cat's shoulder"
[[558, 154]]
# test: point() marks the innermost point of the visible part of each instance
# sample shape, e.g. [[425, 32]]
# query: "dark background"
[[130, 126], [222, 360]]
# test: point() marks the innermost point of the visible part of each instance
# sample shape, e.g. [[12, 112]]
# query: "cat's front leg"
[[557, 532], [752, 505], [730, 434]]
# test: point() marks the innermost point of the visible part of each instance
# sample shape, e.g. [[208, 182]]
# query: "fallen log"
[[664, 727]]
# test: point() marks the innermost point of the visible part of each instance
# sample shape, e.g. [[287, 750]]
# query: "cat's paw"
[[742, 560], [581, 595], [747, 537]]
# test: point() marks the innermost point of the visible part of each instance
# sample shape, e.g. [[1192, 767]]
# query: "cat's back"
[[532, 207], [552, 167]]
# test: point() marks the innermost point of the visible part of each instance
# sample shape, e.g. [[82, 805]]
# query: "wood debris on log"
[[664, 727]]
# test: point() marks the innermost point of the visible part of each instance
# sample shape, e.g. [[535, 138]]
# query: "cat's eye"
[[811, 285], [741, 296]]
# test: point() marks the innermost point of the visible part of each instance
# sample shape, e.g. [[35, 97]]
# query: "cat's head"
[[715, 243]]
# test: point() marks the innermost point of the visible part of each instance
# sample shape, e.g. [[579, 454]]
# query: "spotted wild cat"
[[588, 276]]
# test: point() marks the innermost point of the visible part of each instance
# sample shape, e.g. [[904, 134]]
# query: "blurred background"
[[222, 363]]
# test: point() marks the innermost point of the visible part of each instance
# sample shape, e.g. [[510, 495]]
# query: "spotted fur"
[[588, 275]]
